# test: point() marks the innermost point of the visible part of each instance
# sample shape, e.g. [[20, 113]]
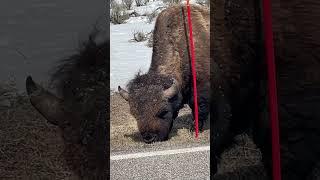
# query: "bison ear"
[[50, 106], [124, 94], [171, 91]]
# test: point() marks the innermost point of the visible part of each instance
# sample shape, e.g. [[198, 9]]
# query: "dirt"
[[125, 134], [31, 148], [125, 137]]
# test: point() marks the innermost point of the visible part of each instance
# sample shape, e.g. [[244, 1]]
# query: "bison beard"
[[155, 98], [239, 92]]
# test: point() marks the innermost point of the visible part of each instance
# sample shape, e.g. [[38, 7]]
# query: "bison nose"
[[149, 137]]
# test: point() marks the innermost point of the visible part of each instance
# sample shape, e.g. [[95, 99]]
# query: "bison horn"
[[171, 91], [123, 93], [50, 106]]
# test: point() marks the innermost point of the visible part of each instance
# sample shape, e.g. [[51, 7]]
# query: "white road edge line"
[[159, 153]]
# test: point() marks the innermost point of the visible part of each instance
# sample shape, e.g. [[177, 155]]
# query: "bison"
[[156, 97], [81, 111], [239, 91]]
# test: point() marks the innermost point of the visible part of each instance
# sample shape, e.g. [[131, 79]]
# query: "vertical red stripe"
[[273, 104], [193, 69]]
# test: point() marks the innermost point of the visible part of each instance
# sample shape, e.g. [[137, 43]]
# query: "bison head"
[[154, 101], [84, 134]]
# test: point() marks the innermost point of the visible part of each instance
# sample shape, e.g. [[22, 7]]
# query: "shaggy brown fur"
[[171, 44], [171, 60], [239, 91], [81, 113]]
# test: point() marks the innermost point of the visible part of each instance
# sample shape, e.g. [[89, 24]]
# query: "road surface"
[[183, 163]]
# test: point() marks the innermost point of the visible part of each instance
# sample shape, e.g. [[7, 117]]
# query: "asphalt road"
[[184, 163]]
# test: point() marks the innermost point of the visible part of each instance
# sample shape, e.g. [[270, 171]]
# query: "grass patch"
[[30, 147], [139, 36], [118, 14], [125, 134], [128, 4]]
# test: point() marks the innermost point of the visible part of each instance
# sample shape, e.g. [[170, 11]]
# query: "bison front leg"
[[203, 107], [220, 111]]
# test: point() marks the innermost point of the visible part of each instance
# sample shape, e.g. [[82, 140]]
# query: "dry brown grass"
[[125, 135], [30, 148], [243, 153]]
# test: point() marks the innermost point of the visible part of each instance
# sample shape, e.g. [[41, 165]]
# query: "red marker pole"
[[193, 69], [273, 104]]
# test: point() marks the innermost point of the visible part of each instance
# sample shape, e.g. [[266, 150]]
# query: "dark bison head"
[[84, 134], [81, 112], [154, 101]]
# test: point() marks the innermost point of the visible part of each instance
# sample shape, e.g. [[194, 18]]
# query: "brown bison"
[[239, 91], [81, 111], [156, 97]]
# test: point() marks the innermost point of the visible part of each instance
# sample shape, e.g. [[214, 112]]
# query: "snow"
[[126, 58], [149, 8]]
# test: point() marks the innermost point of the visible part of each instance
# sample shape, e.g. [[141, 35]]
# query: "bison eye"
[[162, 114]]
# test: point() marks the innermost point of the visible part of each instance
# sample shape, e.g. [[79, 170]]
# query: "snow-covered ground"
[[127, 57]]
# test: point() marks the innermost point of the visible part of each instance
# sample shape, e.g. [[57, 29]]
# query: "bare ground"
[[31, 148], [125, 134], [125, 137]]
